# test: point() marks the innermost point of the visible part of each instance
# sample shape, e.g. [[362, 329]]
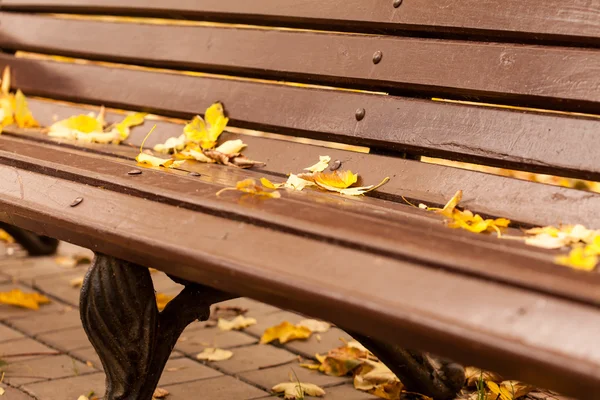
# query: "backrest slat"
[[576, 21], [548, 77]]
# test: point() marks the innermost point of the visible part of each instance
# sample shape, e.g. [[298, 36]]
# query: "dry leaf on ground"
[[17, 298], [214, 354], [238, 323], [297, 390], [285, 332], [250, 186], [473, 375], [2, 391], [5, 237], [162, 300], [160, 393], [321, 165], [340, 361], [509, 390], [315, 326], [375, 378]]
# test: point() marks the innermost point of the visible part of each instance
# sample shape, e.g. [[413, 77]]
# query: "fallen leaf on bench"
[[5, 237], [147, 159], [251, 187], [579, 258], [23, 116], [315, 326], [297, 390], [509, 390], [550, 237], [73, 261], [172, 144], [231, 147], [13, 107], [238, 323], [160, 393], [206, 136], [321, 165], [17, 298], [375, 378], [449, 208], [285, 332], [76, 282], [196, 154], [123, 128], [473, 375], [340, 181], [214, 354], [162, 300], [294, 182], [475, 223]]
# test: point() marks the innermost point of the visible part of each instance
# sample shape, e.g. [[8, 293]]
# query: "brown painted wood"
[[421, 182], [574, 21], [467, 319], [550, 143], [350, 223], [547, 77]]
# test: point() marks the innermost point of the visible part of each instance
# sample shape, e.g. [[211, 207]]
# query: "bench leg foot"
[[133, 339], [35, 245], [419, 372]]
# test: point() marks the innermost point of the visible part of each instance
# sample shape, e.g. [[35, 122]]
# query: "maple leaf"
[[162, 300], [250, 186], [238, 323], [321, 165], [285, 332], [206, 136], [297, 390], [214, 354], [375, 378], [17, 298]]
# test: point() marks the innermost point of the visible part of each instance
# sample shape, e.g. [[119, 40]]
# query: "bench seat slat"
[[349, 222], [467, 319], [574, 22], [528, 75], [521, 201], [548, 143]]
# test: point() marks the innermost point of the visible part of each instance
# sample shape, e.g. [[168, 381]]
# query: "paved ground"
[[250, 374]]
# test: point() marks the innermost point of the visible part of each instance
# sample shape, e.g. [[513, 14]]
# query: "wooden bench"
[[392, 275]]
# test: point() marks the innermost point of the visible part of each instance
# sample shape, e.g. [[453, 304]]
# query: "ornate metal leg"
[[419, 372], [35, 245], [134, 341]]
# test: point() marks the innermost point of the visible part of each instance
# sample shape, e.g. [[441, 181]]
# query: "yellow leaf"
[[214, 354], [448, 209], [17, 298], [375, 378], [335, 179], [251, 187], [124, 127], [297, 390], [231, 147], [2, 391], [162, 300], [206, 136], [87, 128], [546, 241], [509, 390], [238, 323], [579, 259], [295, 182], [23, 115], [6, 80], [147, 159], [5, 237], [321, 165], [171, 144], [270, 185], [342, 360], [473, 375], [285, 332], [160, 393], [82, 397], [315, 326], [76, 282]]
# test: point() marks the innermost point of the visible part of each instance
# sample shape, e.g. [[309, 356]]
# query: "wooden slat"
[[548, 77], [354, 224], [470, 320], [549, 143], [575, 21]]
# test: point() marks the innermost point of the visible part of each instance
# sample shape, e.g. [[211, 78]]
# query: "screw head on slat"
[[360, 114], [397, 3], [76, 202], [134, 172], [336, 165], [193, 174], [377, 57]]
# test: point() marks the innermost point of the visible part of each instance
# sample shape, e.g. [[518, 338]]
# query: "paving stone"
[[89, 354], [347, 392], [164, 284], [269, 320], [255, 308], [269, 377], [68, 249], [35, 324], [45, 368], [14, 394], [194, 340], [67, 388], [254, 357], [223, 388], [7, 334], [7, 312], [31, 270], [66, 340], [329, 340], [185, 370], [59, 286], [23, 346]]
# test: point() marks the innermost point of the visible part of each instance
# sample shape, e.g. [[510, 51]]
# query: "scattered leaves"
[[285, 332], [214, 354], [297, 390], [315, 326], [13, 107], [162, 300], [340, 361], [321, 165], [250, 186], [579, 258], [238, 323], [17, 298]]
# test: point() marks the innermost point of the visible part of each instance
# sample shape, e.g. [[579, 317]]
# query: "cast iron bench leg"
[[35, 245], [134, 340]]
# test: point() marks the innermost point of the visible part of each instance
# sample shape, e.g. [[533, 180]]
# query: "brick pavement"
[[250, 374]]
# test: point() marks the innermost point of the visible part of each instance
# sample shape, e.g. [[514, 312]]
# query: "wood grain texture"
[[575, 21], [547, 77], [400, 303], [550, 143]]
